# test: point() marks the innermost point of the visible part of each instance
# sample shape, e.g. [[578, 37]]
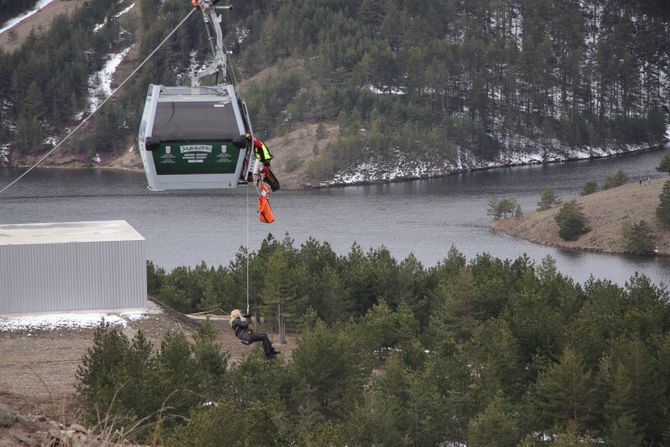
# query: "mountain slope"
[[448, 86]]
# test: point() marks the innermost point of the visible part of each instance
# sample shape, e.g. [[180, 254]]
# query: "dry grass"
[[298, 145], [606, 212], [40, 20]]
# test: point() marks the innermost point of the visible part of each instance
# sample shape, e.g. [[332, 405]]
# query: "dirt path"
[[41, 19], [605, 212]]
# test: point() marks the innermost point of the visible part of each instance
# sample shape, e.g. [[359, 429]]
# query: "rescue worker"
[[241, 325], [264, 155], [261, 150]]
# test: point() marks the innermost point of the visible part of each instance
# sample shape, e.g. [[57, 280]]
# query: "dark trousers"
[[259, 336]]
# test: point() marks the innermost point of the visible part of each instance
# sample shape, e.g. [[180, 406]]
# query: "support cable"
[[67, 137], [247, 248], [234, 82]]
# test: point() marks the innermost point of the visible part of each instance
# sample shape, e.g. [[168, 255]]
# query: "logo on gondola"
[[167, 157], [207, 148]]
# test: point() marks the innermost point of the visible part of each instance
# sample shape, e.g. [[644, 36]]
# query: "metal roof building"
[[69, 266]]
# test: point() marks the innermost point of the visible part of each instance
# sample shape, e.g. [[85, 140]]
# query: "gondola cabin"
[[193, 138]]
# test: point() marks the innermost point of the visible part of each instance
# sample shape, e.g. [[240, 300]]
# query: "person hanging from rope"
[[264, 210], [242, 325], [264, 155]]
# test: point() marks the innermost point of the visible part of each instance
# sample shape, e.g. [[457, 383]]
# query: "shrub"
[[664, 166], [639, 237], [589, 187], [112, 377], [614, 180], [128, 382], [571, 221], [321, 132], [292, 163], [663, 209], [547, 199], [503, 208]]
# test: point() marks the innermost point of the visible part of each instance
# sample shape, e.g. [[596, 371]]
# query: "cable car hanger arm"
[[212, 19]]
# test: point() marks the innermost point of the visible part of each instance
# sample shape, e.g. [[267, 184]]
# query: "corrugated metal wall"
[[73, 276]]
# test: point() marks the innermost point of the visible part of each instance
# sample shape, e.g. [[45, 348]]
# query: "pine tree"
[[639, 237], [614, 180], [589, 187], [29, 130], [547, 200], [624, 433], [496, 425], [571, 221], [663, 209], [565, 391], [664, 166]]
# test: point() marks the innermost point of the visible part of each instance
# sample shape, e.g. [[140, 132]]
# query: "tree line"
[[12, 8], [482, 352], [438, 79]]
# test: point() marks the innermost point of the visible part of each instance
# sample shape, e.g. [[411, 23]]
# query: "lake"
[[424, 217]]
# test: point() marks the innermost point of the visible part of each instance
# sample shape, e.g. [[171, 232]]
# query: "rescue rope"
[[67, 137], [235, 83], [247, 248]]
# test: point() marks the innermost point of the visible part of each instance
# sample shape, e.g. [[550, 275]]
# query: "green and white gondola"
[[193, 137]]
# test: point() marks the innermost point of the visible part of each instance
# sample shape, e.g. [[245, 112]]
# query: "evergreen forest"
[[485, 352], [445, 81], [12, 8]]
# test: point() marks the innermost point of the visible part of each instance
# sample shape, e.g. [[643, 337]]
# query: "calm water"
[[422, 217]]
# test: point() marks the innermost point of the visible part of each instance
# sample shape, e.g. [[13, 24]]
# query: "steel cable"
[[121, 85]]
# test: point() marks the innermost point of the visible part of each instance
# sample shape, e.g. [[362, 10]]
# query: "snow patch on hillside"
[[386, 90], [405, 167], [18, 19], [99, 26], [100, 83], [4, 152]]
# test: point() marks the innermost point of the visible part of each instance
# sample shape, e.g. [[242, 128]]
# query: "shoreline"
[[76, 164], [454, 171], [606, 212]]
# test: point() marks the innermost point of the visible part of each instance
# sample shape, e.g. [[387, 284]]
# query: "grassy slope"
[[41, 19], [605, 211]]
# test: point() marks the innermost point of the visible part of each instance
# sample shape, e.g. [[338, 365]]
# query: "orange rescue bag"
[[264, 205]]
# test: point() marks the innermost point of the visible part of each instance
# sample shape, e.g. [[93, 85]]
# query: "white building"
[[69, 266]]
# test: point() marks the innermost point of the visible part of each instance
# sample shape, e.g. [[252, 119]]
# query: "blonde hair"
[[234, 314]]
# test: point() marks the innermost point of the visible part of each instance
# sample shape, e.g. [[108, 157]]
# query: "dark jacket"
[[241, 328]]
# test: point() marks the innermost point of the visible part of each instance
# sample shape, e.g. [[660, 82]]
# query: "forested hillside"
[[473, 353], [447, 82]]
